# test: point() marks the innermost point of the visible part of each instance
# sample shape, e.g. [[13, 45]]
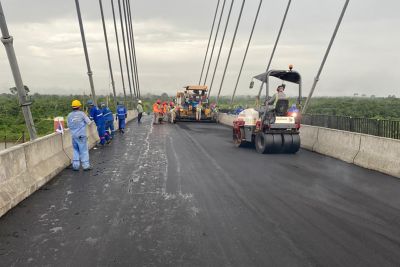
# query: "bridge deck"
[[191, 198]]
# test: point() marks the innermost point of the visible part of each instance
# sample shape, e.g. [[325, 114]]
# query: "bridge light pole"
[[316, 79], [7, 40], [90, 73]]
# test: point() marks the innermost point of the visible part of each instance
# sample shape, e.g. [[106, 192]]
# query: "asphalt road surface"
[[183, 195]]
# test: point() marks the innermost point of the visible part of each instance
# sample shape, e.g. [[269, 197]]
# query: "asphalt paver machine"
[[271, 130], [188, 100]]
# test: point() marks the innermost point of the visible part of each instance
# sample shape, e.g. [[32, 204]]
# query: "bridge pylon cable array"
[[133, 49], [230, 50], [220, 48], [89, 70], [247, 49], [125, 51], [316, 79], [128, 41], [7, 40], [209, 41], [119, 52], [215, 41], [108, 53], [275, 45]]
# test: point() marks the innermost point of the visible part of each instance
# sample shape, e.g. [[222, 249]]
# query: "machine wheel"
[[260, 143], [287, 143], [276, 143], [264, 143], [296, 143], [238, 138]]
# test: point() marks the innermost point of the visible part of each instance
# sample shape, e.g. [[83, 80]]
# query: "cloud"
[[171, 38]]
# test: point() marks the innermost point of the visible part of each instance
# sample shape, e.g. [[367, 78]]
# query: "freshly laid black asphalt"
[[183, 195]]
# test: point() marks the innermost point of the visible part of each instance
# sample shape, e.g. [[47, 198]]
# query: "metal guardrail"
[[377, 127]]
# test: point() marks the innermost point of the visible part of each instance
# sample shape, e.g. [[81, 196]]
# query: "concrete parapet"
[[338, 144], [13, 177], [25, 168], [226, 119], [380, 154], [309, 136]]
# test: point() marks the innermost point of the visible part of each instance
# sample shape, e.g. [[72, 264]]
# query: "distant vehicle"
[[188, 100], [271, 130]]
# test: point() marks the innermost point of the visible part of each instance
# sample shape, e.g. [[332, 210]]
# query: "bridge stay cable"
[[119, 53], [230, 50], [209, 41], [247, 49], [89, 70], [108, 53], [215, 41], [133, 49], [316, 79], [221, 46], [128, 41], [125, 51], [7, 40], [275, 45]]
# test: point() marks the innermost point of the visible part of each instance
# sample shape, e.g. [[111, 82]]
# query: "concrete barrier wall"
[[371, 152], [338, 144], [27, 167], [226, 119], [378, 153], [308, 136]]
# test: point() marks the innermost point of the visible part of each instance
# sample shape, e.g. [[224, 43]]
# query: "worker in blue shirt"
[[97, 116], [77, 122], [109, 120], [121, 116]]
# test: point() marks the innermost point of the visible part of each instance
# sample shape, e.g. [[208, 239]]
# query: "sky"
[[171, 39]]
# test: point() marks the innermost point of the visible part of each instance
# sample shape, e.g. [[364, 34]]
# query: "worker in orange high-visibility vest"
[[156, 111], [165, 111]]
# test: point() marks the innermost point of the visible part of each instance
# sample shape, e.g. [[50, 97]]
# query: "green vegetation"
[[361, 107], [46, 107]]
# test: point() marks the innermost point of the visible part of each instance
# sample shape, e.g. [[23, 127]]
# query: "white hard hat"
[[140, 101]]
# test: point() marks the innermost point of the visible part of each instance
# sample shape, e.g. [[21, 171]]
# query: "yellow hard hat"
[[76, 104]]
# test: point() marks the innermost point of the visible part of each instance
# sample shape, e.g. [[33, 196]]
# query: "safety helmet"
[[140, 102], [76, 104], [90, 102], [281, 86], [158, 101], [171, 104], [164, 103], [102, 104]]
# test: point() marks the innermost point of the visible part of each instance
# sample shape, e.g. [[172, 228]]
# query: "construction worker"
[[157, 111], [77, 122], [108, 120], [280, 94], [121, 117], [199, 108], [140, 111], [172, 112], [97, 116], [165, 110]]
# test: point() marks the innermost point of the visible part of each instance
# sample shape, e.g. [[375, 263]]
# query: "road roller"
[[271, 128]]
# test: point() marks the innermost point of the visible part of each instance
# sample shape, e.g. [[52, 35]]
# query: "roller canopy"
[[286, 75]]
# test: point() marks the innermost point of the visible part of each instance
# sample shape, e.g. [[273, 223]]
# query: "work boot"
[[88, 169]]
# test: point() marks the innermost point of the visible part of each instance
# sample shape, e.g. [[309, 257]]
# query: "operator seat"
[[281, 107]]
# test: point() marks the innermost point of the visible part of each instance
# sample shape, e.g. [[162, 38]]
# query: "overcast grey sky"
[[171, 38]]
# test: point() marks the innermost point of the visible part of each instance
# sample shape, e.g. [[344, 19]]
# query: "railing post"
[[351, 123]]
